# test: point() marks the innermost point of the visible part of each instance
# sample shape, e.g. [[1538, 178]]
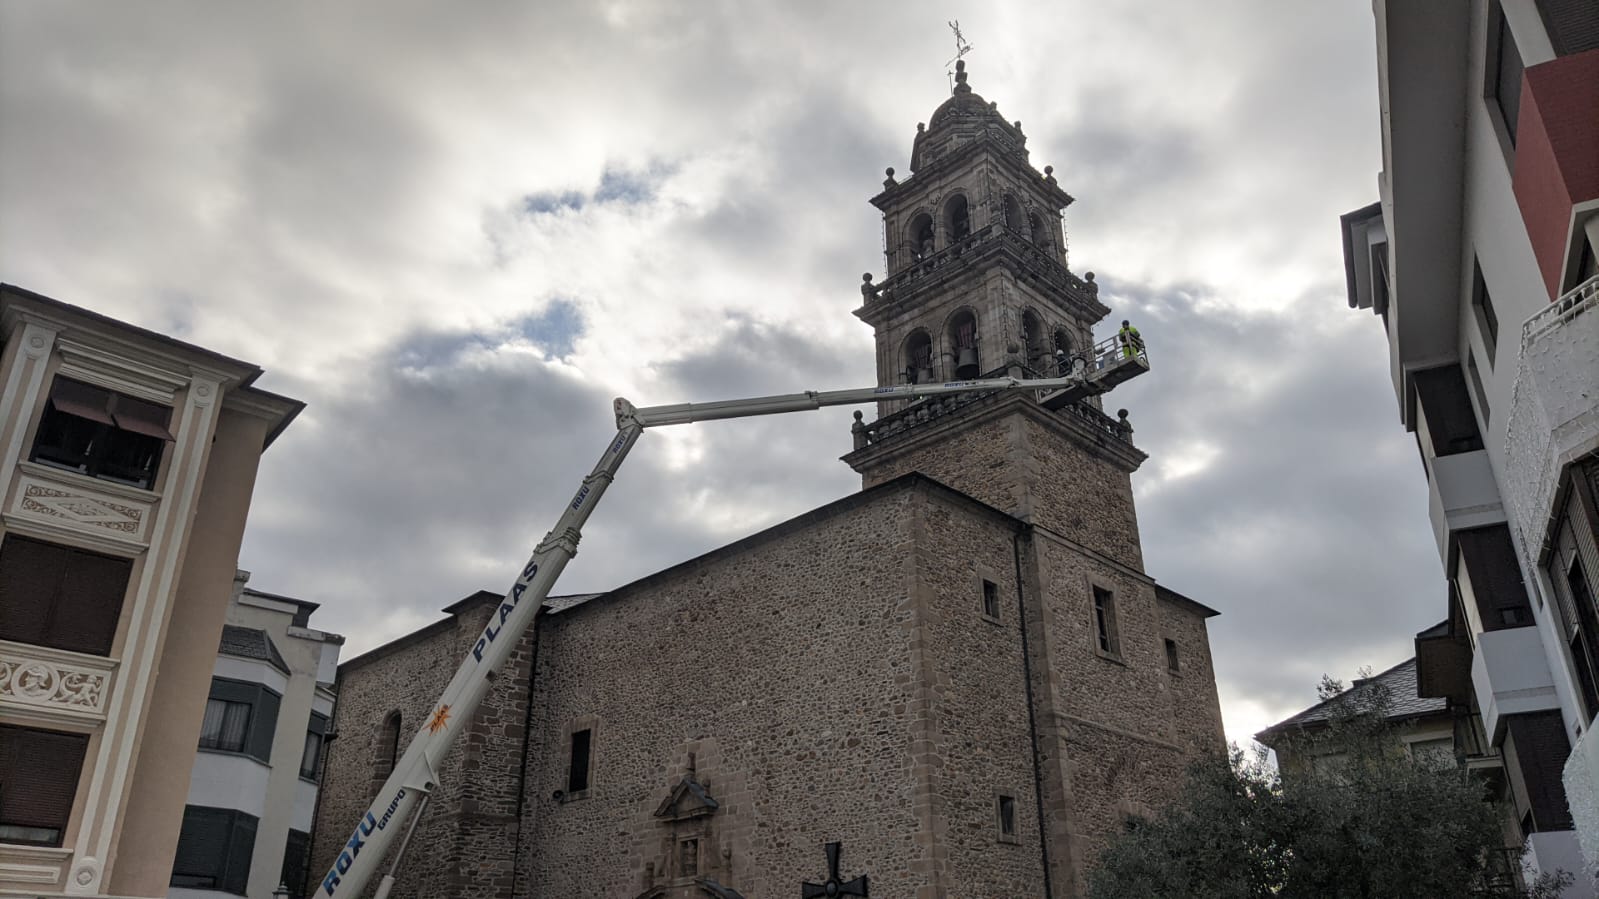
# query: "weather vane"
[[962, 47]]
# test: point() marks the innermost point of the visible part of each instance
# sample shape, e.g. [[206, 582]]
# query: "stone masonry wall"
[[1041, 473], [984, 743], [474, 805], [787, 669], [1126, 736]]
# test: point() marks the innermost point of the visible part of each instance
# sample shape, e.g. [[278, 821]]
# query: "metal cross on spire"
[[962, 47], [833, 886]]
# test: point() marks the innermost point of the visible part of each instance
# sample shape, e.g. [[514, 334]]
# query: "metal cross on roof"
[[833, 886]]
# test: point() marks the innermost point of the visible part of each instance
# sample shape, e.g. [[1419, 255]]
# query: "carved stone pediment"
[[687, 800]]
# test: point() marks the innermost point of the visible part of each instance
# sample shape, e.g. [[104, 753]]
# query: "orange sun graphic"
[[440, 718]]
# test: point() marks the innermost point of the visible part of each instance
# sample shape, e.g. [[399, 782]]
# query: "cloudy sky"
[[458, 230]]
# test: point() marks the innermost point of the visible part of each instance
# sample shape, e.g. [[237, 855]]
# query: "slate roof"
[[1404, 703], [251, 643], [554, 604]]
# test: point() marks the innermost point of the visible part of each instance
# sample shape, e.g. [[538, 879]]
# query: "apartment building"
[[1479, 260], [128, 462], [252, 797]]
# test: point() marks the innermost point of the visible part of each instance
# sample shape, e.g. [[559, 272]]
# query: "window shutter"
[[241, 847], [296, 861], [90, 602], [1573, 25], [263, 725], [39, 776], [202, 847], [30, 575]]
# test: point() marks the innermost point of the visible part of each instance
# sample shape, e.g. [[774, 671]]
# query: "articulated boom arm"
[[416, 772]]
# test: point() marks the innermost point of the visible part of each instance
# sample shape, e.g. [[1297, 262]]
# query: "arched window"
[[1036, 343], [957, 217], [920, 237], [963, 338], [919, 358], [1039, 230], [387, 750], [1013, 213]]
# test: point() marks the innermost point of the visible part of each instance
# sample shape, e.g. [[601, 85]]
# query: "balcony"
[[1511, 676], [1463, 495], [1557, 155], [1554, 410]]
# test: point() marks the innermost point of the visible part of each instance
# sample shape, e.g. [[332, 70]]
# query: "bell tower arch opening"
[[1035, 343], [919, 358], [963, 342], [920, 236], [957, 218], [1012, 212]]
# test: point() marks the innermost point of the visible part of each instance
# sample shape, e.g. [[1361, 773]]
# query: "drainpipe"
[[1032, 717], [527, 737]]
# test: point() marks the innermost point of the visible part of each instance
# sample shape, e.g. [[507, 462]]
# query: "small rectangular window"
[[1505, 86], [225, 726], [577, 771], [1476, 386], [1171, 655], [240, 717], [101, 433], [1007, 817], [311, 756], [1487, 320], [1105, 621], [991, 600], [214, 849]]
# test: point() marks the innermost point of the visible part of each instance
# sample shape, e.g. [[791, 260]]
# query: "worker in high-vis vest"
[[1130, 342]]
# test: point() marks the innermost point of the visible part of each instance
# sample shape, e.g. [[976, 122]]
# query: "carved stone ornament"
[[45, 683], [79, 509]]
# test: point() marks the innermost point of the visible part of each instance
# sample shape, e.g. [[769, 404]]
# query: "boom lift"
[[405, 793]]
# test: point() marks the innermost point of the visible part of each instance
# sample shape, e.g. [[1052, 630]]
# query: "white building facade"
[[1480, 260], [252, 796]]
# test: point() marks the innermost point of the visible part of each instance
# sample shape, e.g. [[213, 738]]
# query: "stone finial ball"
[[1049, 170], [1122, 414], [1089, 276], [889, 171], [858, 414], [867, 277]]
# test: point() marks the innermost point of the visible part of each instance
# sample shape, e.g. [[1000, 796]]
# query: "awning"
[[142, 417], [82, 400]]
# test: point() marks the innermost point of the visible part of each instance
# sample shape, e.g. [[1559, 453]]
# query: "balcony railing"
[[932, 409], [1552, 407], [1041, 261], [1582, 298]]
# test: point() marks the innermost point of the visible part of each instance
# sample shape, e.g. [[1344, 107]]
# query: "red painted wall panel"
[[1557, 154]]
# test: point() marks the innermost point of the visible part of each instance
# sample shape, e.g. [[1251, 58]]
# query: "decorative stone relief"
[[42, 678], [69, 505]]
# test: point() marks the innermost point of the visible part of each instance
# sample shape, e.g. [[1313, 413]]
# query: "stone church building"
[[961, 674]]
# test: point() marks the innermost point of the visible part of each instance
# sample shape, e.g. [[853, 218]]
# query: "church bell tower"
[[977, 286]]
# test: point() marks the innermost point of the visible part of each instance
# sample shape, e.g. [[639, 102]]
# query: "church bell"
[[966, 363]]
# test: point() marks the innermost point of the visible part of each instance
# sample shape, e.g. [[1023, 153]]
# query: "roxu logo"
[[357, 843]]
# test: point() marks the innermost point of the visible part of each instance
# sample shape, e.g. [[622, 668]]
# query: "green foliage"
[[1365, 823]]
